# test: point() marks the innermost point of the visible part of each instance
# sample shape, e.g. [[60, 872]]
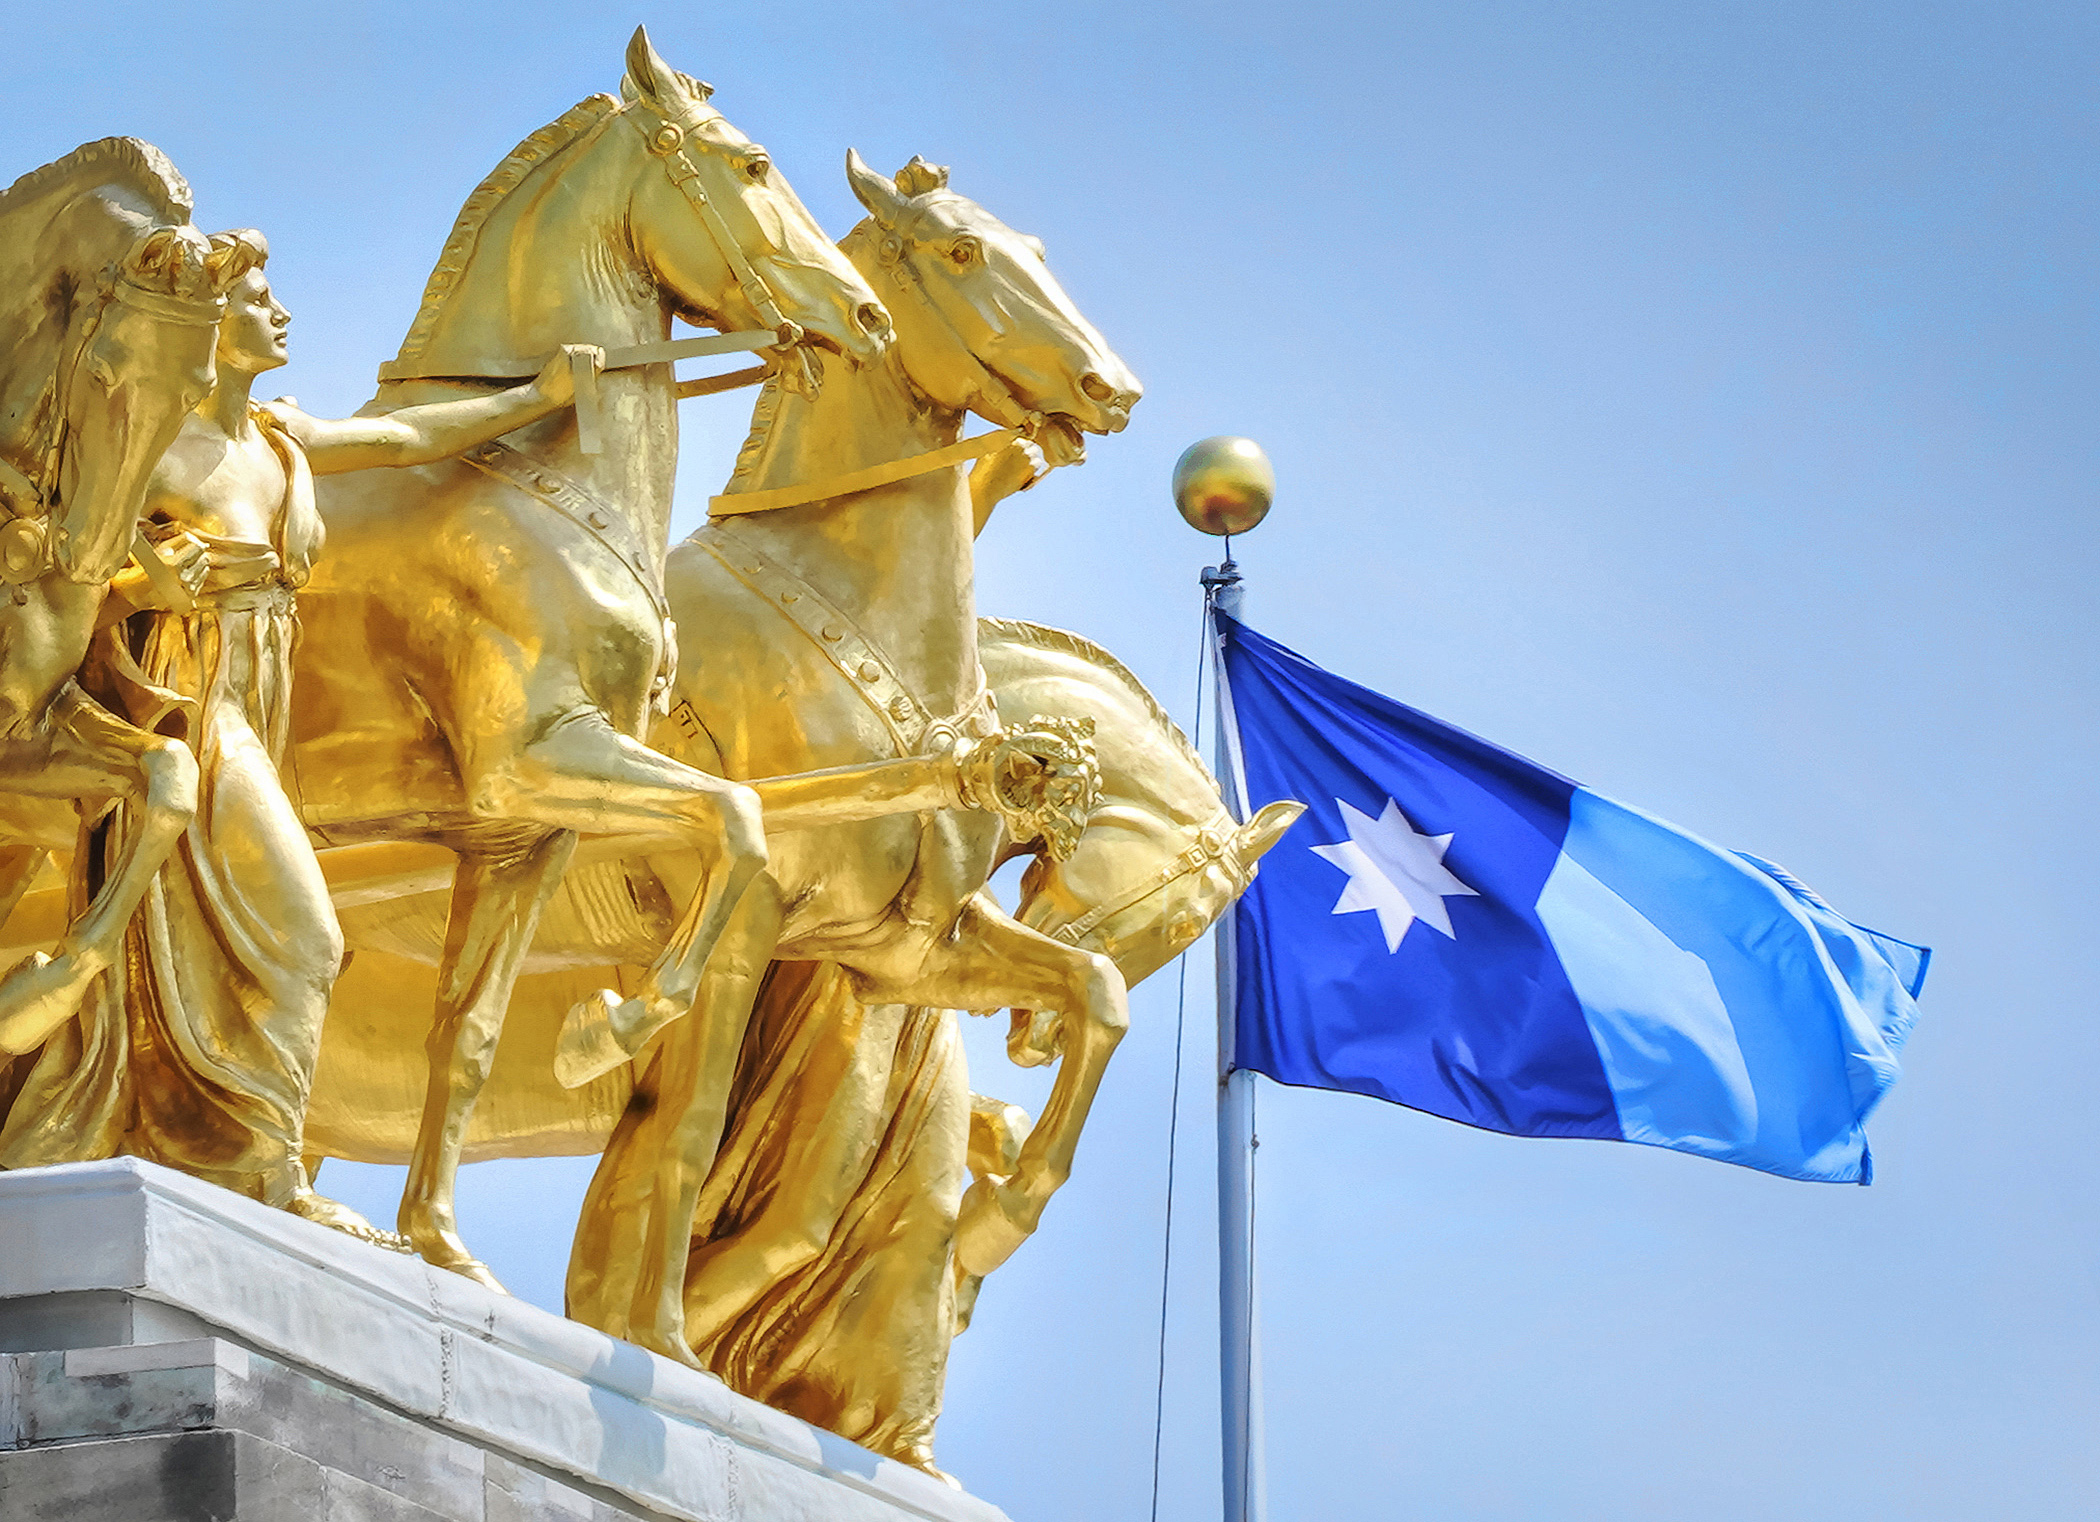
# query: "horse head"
[[141, 360], [620, 212], [982, 325], [759, 260], [1140, 892]]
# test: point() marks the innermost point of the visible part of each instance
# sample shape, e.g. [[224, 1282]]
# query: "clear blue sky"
[[1698, 398]]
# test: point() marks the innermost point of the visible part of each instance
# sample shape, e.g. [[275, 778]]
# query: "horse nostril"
[[873, 319], [1096, 389]]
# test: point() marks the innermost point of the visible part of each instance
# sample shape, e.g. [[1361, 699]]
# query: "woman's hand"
[[556, 382], [1005, 471], [131, 590]]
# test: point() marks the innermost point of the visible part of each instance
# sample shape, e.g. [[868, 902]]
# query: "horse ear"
[[878, 192], [1263, 831], [652, 79], [176, 261]]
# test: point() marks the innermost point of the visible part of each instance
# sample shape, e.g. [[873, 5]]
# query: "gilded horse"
[[826, 1276], [839, 629], [873, 1099], [834, 636], [487, 638], [107, 328]]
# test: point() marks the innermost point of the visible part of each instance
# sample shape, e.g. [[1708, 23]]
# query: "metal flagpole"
[[1239, 1345], [1224, 486]]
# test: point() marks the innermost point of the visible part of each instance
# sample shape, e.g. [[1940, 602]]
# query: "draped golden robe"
[[836, 1188], [199, 1050]]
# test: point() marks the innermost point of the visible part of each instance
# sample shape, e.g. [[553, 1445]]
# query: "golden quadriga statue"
[[704, 903]]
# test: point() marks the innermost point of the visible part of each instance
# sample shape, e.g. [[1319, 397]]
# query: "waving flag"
[[1453, 928]]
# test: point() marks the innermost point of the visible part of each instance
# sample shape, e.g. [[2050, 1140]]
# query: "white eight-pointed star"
[[1395, 871]]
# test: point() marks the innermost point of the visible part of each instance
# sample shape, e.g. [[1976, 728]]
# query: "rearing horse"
[[823, 1277], [107, 329], [486, 638]]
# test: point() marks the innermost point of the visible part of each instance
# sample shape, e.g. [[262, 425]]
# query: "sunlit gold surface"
[[197, 1050], [849, 1124], [1224, 485], [676, 854], [108, 322]]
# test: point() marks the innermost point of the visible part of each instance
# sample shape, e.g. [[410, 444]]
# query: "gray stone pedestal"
[[170, 1352]]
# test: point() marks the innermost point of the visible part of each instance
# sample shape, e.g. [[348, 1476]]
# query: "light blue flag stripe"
[[1736, 1015]]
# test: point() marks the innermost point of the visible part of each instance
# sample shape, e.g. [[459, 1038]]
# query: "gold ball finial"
[[1224, 485]]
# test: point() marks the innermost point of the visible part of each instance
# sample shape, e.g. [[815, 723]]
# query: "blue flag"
[[1453, 928]]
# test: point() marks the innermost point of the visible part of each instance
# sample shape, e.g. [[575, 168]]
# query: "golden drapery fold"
[[836, 1188], [198, 1051], [818, 1278]]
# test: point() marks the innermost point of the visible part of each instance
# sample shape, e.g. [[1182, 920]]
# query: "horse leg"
[[993, 961], [496, 904], [603, 1031], [582, 774], [95, 753], [627, 1270]]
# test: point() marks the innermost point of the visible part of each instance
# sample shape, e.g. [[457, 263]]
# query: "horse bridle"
[[1213, 843], [892, 255], [25, 540], [670, 143]]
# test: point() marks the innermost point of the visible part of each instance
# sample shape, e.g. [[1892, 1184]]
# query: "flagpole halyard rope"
[[1181, 1006]]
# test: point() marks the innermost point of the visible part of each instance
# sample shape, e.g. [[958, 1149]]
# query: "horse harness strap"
[[892, 255], [736, 504], [1213, 844], [859, 659], [668, 143], [550, 487], [22, 497], [183, 311], [623, 357]]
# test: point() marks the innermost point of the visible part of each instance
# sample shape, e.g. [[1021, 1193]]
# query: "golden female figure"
[[231, 958]]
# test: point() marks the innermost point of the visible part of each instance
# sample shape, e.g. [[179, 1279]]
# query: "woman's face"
[[252, 333]]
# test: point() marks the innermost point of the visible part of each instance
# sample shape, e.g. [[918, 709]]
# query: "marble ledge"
[[95, 1255]]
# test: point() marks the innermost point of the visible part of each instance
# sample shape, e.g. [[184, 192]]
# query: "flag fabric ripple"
[[1455, 929]]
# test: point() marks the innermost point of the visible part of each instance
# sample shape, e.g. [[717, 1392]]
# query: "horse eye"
[[964, 251]]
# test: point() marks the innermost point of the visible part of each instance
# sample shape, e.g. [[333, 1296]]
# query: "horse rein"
[[669, 142], [25, 542], [892, 257], [1213, 844], [736, 504]]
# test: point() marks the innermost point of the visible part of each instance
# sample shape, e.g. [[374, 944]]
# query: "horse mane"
[[144, 165], [1043, 637], [487, 196], [764, 413]]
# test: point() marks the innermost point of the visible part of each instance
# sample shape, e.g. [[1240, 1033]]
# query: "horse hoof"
[[310, 1205], [478, 1271], [588, 1046], [986, 1233], [39, 995], [604, 1031], [442, 1248], [1035, 1038]]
